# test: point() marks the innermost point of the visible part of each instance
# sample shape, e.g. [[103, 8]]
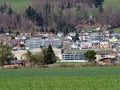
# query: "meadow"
[[116, 30], [82, 78], [17, 4]]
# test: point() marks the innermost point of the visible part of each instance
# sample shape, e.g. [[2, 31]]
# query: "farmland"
[[83, 78]]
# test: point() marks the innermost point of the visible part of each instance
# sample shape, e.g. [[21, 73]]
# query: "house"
[[59, 34], [17, 62], [20, 38], [85, 45], [107, 60], [28, 34], [34, 42], [5, 37], [69, 38], [84, 36], [74, 45], [73, 56], [72, 34], [96, 38], [14, 42], [115, 44], [114, 38], [54, 42], [105, 54], [46, 34], [118, 56], [14, 63], [106, 35], [104, 45], [39, 42]]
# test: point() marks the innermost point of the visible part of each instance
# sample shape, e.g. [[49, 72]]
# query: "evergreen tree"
[[31, 13], [101, 8], [10, 11], [68, 5], [49, 56], [34, 16], [76, 37], [98, 2]]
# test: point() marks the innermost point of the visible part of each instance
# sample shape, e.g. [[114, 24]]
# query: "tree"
[[34, 59], [30, 58], [49, 56], [38, 58], [28, 55], [98, 2], [31, 13], [90, 55], [101, 8], [68, 5], [5, 54], [34, 16], [76, 37]]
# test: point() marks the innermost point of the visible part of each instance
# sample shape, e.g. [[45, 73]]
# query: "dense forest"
[[59, 15]]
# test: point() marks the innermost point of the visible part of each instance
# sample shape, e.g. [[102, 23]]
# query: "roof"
[[104, 59], [14, 62], [105, 52]]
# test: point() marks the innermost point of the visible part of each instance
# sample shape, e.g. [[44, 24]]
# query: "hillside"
[[58, 15]]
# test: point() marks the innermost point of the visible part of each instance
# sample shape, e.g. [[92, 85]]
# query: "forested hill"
[[58, 15]]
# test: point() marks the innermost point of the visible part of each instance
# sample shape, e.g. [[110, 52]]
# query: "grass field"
[[84, 78], [116, 30], [113, 3], [16, 4]]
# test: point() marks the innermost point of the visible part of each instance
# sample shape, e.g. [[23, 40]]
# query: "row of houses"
[[87, 40], [105, 44], [39, 42], [27, 41], [101, 56], [98, 41], [94, 41]]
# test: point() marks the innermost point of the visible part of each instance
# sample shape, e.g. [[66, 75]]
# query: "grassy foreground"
[[83, 78], [61, 83]]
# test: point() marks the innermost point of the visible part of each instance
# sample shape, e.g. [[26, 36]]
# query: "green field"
[[116, 30], [83, 78], [16, 4], [113, 3]]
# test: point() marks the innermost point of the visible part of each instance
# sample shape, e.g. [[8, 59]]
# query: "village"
[[66, 48]]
